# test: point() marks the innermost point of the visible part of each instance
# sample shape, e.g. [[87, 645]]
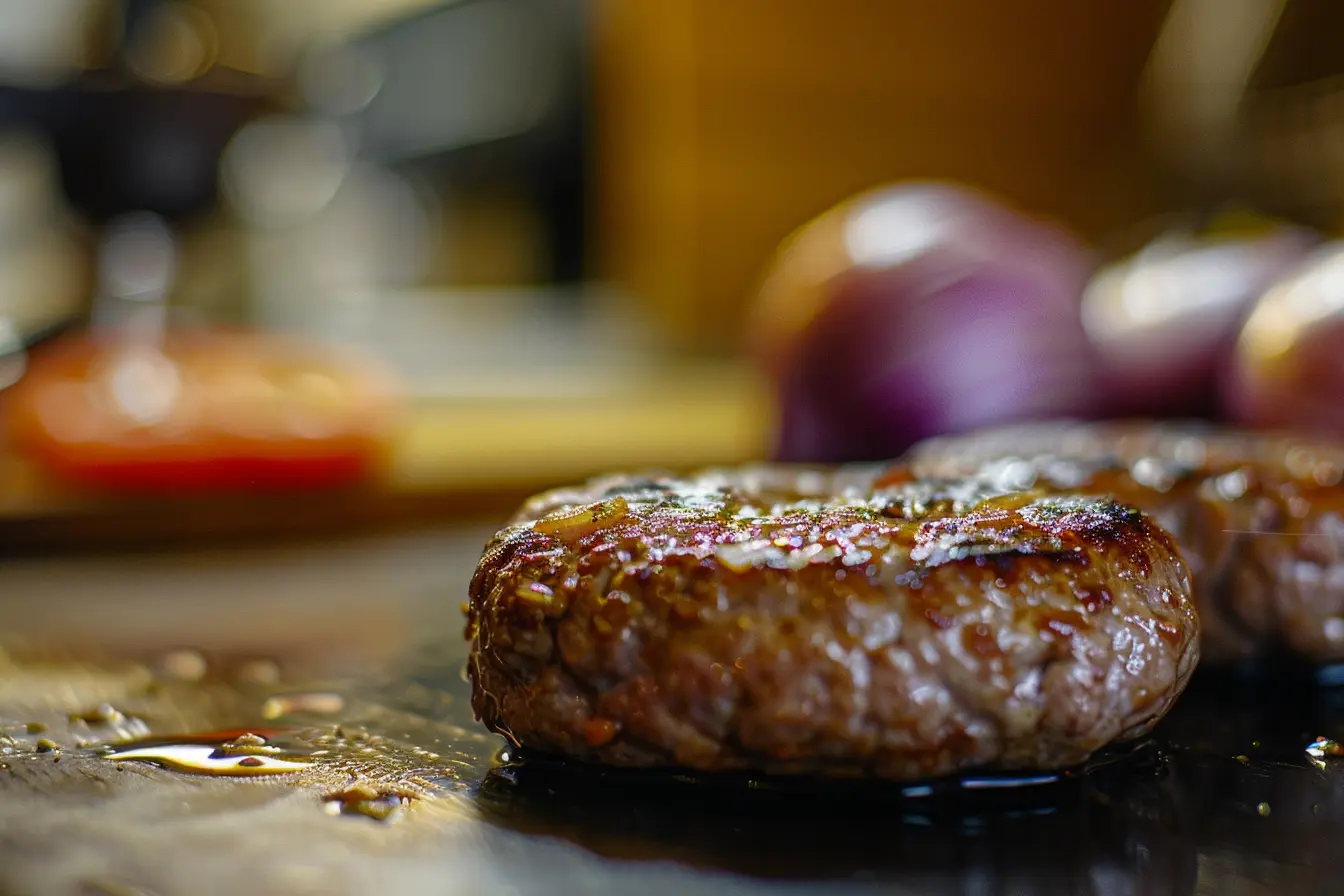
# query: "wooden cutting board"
[[506, 396]]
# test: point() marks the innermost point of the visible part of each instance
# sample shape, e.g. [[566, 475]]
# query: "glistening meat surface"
[[1259, 517], [791, 620]]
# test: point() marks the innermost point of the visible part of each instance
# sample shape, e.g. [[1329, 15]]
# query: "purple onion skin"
[[929, 308], [1287, 370], [944, 311], [1165, 321]]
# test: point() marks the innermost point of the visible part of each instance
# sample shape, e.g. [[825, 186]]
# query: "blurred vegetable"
[[1288, 369], [918, 310], [1165, 320], [199, 411]]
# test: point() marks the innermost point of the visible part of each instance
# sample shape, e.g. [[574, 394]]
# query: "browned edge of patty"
[[1258, 516], [741, 620]]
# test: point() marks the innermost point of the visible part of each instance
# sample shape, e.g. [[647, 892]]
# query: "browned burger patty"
[[1258, 517], [801, 621]]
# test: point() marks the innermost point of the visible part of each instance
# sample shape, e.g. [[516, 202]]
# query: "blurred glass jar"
[[45, 273]]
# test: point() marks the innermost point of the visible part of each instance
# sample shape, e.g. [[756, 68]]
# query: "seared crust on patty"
[[791, 620], [1259, 517]]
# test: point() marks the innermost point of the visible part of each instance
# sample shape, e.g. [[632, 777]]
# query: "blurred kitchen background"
[[549, 217]]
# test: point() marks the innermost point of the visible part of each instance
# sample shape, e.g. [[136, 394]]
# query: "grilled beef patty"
[[841, 621], [1259, 517]]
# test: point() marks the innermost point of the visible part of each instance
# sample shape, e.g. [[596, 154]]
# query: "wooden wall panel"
[[724, 124]]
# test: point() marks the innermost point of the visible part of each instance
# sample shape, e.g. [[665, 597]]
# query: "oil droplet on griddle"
[[380, 805], [289, 704], [237, 754], [183, 665], [259, 672], [1324, 746], [105, 724], [103, 714]]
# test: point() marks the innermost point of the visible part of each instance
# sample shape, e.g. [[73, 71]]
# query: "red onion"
[[919, 310], [1165, 320], [1288, 367]]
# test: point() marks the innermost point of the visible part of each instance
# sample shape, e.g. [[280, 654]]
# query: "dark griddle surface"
[[1223, 800]]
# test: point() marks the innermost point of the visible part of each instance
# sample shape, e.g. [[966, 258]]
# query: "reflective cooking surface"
[[216, 768]]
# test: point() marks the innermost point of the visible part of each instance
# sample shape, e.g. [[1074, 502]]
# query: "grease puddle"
[[239, 753], [352, 771]]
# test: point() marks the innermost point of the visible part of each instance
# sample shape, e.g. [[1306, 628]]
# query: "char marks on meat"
[[1259, 517], [844, 621]]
